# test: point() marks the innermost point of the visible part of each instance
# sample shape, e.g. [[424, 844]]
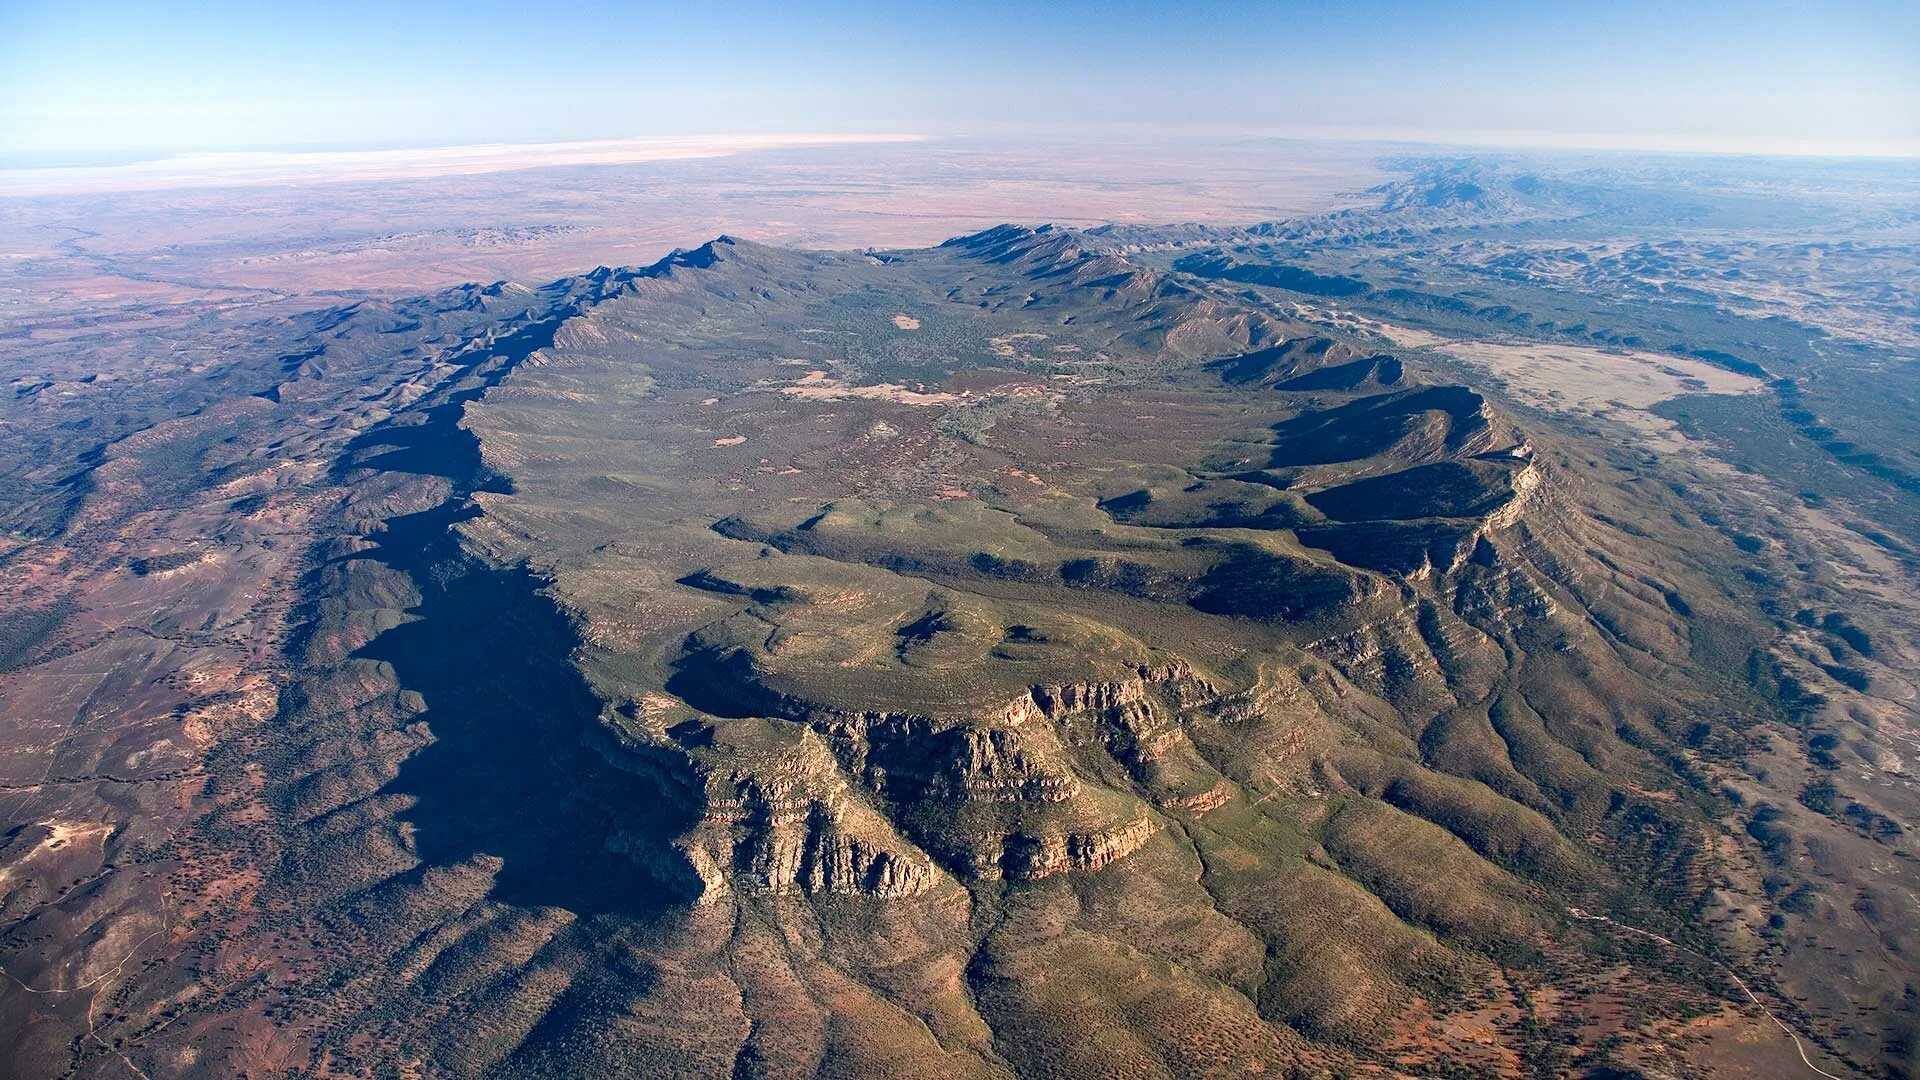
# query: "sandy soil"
[[1619, 386], [820, 386]]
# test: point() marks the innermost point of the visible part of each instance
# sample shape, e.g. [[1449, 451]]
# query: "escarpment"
[[956, 673], [778, 815], [806, 656], [815, 803]]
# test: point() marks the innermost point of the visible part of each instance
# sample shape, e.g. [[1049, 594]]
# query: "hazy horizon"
[[115, 83]]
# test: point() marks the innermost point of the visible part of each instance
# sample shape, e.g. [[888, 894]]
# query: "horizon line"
[[195, 168], [265, 167]]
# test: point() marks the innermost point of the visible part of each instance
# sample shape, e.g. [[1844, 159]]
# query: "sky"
[[104, 81]]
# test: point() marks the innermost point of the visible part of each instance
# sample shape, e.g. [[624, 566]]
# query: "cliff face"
[[807, 804], [780, 817]]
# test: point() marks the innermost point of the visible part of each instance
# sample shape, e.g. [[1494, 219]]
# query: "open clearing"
[[1617, 386], [820, 386]]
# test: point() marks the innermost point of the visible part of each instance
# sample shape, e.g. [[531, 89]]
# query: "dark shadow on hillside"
[[721, 683], [511, 771]]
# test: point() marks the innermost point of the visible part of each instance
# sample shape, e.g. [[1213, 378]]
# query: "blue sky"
[[107, 80]]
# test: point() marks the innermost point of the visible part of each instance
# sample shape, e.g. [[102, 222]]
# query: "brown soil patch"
[[819, 386]]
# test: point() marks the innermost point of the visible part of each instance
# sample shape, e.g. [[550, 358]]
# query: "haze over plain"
[[116, 81]]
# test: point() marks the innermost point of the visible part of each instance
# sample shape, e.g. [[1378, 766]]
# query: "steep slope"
[[865, 677]]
